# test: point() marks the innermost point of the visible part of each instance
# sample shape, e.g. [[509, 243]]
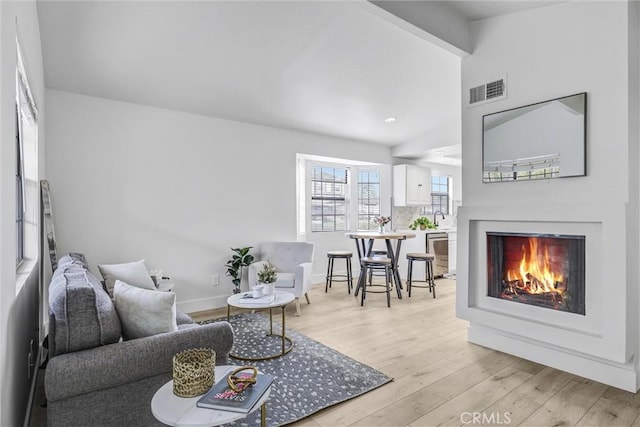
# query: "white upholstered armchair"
[[293, 263]]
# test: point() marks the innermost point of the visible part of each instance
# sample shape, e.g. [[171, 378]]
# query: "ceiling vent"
[[488, 92]]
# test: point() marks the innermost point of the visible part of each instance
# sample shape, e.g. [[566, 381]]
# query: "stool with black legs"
[[368, 263], [377, 270], [429, 281], [331, 277]]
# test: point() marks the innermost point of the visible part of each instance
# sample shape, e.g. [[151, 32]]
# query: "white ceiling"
[[481, 9], [331, 68]]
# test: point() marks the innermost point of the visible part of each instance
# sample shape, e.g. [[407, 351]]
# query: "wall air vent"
[[488, 92]]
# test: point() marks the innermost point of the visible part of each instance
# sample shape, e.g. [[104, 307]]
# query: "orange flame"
[[534, 274]]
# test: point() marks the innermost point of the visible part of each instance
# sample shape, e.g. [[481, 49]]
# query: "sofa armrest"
[[98, 368]]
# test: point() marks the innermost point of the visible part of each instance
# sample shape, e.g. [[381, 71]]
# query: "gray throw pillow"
[[144, 312]]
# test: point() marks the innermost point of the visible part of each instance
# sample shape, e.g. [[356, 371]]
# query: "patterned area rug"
[[310, 378]]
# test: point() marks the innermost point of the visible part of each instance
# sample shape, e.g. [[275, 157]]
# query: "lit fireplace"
[[537, 269]]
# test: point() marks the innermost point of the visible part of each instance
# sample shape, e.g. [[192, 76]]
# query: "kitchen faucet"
[[435, 221]]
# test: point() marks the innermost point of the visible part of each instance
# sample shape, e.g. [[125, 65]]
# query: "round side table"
[[183, 412], [281, 300]]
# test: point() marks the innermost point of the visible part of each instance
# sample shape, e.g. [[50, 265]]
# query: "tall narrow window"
[[329, 198], [26, 134], [20, 209], [440, 194], [368, 198]]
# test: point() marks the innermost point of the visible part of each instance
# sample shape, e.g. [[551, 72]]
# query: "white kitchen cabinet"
[[452, 252], [411, 185]]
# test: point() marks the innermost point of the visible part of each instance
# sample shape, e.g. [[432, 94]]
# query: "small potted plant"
[[267, 276], [423, 223], [240, 259]]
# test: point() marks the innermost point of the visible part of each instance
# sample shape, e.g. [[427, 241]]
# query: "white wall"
[[131, 182], [581, 47], [18, 307]]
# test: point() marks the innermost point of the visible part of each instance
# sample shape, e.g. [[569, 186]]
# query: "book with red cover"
[[223, 398]]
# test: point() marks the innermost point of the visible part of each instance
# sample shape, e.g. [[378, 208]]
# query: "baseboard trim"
[[212, 303], [201, 304], [622, 376]]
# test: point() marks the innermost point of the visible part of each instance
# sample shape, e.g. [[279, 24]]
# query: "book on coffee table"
[[222, 397], [250, 299]]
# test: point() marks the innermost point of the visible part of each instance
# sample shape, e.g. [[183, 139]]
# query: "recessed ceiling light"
[[390, 120]]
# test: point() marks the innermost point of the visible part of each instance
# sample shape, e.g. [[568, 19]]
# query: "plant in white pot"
[[267, 277]]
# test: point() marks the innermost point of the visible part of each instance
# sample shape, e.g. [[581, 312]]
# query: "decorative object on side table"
[[267, 276], [239, 393], [193, 371], [423, 223], [381, 221], [240, 259]]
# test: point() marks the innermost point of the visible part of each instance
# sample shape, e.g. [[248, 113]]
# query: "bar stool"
[[366, 264], [430, 282], [333, 255], [375, 270]]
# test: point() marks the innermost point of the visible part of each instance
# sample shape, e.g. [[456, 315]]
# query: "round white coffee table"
[[281, 300], [183, 412]]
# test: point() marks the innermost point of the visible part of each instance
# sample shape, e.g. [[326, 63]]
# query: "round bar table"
[[364, 243]]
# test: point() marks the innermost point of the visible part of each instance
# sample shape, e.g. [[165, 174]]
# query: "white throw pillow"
[[133, 273], [143, 312]]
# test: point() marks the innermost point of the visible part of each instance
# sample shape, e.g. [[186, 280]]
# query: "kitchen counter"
[[436, 230]]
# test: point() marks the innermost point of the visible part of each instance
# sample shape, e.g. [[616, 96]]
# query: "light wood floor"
[[439, 378]]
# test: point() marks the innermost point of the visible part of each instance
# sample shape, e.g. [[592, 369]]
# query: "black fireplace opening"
[[545, 270]]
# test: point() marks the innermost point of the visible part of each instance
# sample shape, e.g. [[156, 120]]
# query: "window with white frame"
[[368, 198], [440, 194], [26, 173], [329, 198], [20, 209]]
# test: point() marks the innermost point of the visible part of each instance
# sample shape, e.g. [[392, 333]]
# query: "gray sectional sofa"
[[93, 377]]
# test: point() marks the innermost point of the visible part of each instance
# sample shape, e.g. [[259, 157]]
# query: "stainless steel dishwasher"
[[438, 244]]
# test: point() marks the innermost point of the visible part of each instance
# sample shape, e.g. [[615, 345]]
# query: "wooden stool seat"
[[429, 280], [331, 277], [340, 254], [376, 261], [418, 255]]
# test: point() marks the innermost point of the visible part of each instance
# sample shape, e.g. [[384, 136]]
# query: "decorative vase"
[[381, 228], [269, 288], [194, 371]]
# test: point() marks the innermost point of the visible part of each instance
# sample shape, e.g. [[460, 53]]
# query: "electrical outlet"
[[215, 280]]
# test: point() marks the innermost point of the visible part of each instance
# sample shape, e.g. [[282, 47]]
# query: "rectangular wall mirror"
[[538, 141]]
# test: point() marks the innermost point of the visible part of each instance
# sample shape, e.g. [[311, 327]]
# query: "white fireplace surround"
[[595, 345]]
